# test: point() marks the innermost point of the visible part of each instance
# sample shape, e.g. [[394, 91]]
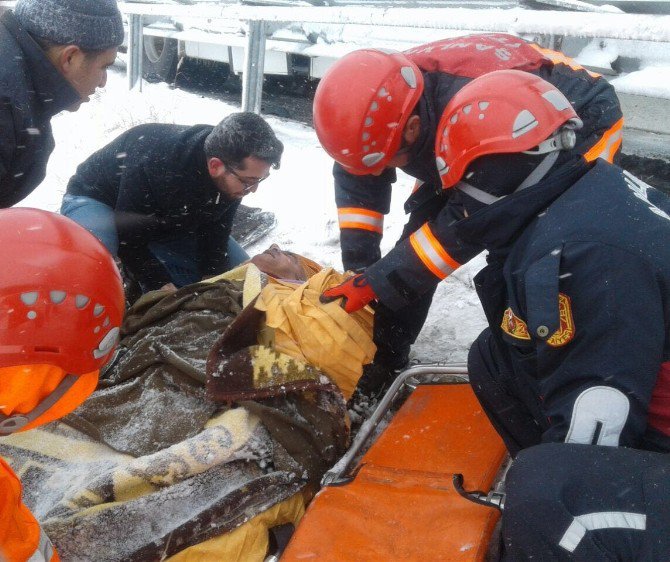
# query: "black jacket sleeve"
[[116, 176], [361, 247], [99, 176], [136, 209], [7, 143], [401, 276]]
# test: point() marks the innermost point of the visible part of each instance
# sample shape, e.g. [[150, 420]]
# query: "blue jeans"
[[94, 216], [179, 255]]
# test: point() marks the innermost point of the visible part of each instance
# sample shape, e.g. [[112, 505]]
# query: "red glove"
[[355, 293]]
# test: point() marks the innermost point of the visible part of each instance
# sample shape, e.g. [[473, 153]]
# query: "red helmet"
[[61, 295], [362, 105], [505, 111]]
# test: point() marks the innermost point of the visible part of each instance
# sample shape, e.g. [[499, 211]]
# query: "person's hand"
[[169, 287], [355, 293]]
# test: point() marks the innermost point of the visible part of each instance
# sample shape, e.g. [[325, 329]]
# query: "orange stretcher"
[[400, 502]]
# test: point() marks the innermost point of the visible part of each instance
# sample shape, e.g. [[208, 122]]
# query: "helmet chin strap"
[[15, 422], [534, 177], [540, 171]]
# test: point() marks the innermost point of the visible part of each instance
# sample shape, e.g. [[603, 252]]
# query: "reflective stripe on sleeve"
[[601, 520], [607, 145], [431, 253], [365, 219], [559, 58], [599, 416]]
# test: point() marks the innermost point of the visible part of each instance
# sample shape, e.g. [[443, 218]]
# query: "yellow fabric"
[[248, 542], [308, 266], [322, 335], [23, 387], [254, 280]]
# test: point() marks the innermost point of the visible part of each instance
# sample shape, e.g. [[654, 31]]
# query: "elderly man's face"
[[279, 264]]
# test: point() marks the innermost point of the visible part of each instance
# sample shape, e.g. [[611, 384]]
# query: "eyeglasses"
[[248, 183]]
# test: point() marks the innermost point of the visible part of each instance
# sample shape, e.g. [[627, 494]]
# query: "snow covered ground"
[[300, 194]]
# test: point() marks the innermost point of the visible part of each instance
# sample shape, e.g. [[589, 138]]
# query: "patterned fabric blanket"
[[149, 465]]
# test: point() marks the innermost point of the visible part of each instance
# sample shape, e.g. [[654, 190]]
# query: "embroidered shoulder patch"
[[514, 326], [566, 329]]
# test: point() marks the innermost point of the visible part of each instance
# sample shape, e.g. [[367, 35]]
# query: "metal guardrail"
[[252, 78], [582, 24], [135, 51], [579, 24], [639, 27]]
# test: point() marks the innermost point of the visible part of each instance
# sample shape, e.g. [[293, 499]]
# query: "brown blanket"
[[149, 465], [153, 395]]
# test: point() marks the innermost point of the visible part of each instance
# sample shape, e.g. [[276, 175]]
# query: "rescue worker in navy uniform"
[[587, 503], [577, 351], [375, 111], [55, 54], [576, 286]]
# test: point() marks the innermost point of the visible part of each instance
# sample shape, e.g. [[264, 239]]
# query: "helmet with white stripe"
[[362, 105]]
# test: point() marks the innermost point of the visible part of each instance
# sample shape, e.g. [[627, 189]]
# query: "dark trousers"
[[395, 331], [588, 503], [508, 402]]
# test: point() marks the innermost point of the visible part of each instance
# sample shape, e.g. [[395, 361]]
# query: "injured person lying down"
[[213, 424]]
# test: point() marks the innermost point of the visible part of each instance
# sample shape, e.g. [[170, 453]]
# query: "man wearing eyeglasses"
[[162, 197]]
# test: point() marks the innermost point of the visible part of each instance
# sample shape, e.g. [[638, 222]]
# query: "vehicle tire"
[[160, 57], [201, 75]]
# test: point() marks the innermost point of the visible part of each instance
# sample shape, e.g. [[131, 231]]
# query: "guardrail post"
[[254, 61], [135, 48]]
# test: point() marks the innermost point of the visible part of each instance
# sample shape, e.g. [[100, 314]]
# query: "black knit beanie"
[[93, 25]]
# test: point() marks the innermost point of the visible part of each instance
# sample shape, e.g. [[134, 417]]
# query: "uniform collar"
[[500, 223], [53, 91]]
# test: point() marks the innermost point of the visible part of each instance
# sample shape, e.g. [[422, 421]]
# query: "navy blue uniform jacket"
[[577, 295]]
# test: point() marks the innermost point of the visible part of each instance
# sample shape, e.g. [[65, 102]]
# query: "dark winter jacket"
[[155, 177], [577, 296], [401, 276], [32, 91]]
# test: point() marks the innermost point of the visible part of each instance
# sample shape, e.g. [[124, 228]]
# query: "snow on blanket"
[[141, 472], [92, 499]]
